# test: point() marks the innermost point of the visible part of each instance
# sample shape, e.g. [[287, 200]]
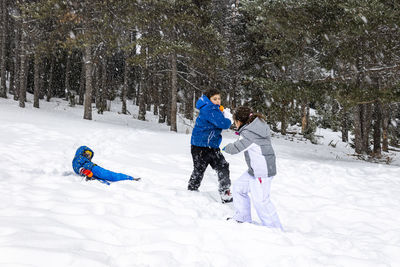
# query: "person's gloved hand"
[[86, 172], [225, 112], [223, 149]]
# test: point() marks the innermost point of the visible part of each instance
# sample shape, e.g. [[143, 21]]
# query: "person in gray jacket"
[[255, 141]]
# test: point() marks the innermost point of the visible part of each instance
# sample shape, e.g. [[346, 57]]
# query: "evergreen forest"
[[283, 58]]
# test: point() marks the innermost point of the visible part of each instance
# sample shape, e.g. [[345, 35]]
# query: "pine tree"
[[280, 58], [3, 44], [180, 39], [359, 48]]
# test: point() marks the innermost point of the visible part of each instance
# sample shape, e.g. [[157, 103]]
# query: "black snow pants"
[[202, 156]]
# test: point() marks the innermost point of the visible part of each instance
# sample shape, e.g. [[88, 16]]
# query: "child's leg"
[[260, 194], [200, 163], [241, 200], [218, 163], [104, 174]]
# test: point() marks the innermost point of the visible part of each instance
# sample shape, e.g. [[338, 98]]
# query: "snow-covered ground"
[[336, 210]]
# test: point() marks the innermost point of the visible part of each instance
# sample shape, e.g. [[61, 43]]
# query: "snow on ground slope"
[[336, 211]]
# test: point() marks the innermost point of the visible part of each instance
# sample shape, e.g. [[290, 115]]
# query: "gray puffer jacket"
[[255, 140]]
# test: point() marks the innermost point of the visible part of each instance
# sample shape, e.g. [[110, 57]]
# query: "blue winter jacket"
[[80, 161], [209, 124]]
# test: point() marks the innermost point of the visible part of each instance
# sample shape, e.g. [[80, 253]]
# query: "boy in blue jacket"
[[83, 165], [205, 141]]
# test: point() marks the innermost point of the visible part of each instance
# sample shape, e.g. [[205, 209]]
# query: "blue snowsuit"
[[209, 124], [205, 141], [80, 161]]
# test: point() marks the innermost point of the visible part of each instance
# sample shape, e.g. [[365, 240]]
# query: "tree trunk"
[[67, 77], [142, 89], [22, 76], [104, 90], [366, 123], [377, 116], [283, 116], [82, 83], [156, 94], [1, 29], [136, 93], [189, 104], [304, 119], [51, 77], [137, 82], [344, 125], [12, 57], [42, 79], [17, 60], [168, 100], [362, 127], [88, 88], [358, 129], [174, 81], [36, 82], [385, 126], [68, 93], [149, 95], [162, 114], [25, 80], [152, 92], [96, 84], [156, 99], [12, 75], [125, 86], [4, 19]]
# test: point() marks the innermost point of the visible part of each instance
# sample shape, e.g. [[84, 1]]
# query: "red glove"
[[85, 172], [221, 107]]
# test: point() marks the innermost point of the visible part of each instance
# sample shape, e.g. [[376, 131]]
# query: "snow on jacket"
[[80, 161], [209, 124], [255, 140]]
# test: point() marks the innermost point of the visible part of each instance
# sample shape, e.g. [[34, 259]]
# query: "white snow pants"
[[259, 189]]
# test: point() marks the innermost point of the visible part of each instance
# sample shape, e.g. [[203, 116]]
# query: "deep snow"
[[336, 210]]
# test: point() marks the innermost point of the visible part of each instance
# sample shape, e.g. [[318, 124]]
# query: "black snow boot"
[[226, 196]]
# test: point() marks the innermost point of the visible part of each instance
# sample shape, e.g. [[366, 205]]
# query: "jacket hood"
[[204, 102], [257, 127], [82, 149]]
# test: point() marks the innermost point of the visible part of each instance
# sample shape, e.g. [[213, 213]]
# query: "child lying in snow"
[[83, 165]]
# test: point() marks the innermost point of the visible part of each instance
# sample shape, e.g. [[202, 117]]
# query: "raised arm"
[[238, 146], [217, 118]]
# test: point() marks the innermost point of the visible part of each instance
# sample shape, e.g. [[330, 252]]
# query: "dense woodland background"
[[283, 58]]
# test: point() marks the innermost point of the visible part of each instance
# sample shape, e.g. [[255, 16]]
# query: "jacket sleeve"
[[82, 162], [238, 146], [89, 165], [217, 118]]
